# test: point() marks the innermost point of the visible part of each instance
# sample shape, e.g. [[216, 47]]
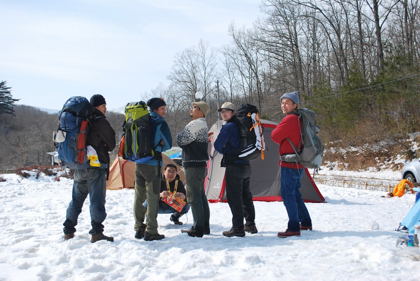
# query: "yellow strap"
[[168, 187]]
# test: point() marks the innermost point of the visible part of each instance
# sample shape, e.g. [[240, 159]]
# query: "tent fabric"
[[122, 173], [265, 178]]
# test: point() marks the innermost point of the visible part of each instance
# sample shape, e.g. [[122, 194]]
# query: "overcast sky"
[[51, 50]]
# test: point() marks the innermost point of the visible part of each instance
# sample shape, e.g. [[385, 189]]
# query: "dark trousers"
[[92, 182], [292, 199], [147, 187], [196, 197], [239, 195]]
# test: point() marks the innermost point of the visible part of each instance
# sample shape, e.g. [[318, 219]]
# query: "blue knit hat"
[[293, 96]]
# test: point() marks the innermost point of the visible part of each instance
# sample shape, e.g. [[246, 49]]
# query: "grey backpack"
[[312, 150]]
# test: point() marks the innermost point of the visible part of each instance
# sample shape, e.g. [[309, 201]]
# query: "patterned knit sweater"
[[194, 143]]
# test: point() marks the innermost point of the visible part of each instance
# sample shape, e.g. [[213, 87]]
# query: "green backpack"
[[138, 132]]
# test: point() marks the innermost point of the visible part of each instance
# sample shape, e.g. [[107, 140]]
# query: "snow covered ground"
[[353, 239], [368, 174]]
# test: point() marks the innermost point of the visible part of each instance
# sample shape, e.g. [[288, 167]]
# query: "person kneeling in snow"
[[401, 188], [172, 195]]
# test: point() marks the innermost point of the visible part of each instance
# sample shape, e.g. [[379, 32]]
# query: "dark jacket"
[[181, 187], [194, 143], [101, 136], [228, 143]]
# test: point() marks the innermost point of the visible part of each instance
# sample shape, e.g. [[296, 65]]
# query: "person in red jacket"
[[289, 130]]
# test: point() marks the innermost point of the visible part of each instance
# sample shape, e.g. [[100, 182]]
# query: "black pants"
[[197, 198], [239, 196]]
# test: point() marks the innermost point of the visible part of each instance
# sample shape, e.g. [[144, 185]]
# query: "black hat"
[[97, 100], [155, 103]]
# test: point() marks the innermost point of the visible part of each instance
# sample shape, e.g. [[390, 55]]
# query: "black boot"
[[206, 230], [193, 232], [150, 237], [251, 228], [69, 229], [140, 232], [175, 219], [234, 232], [100, 236]]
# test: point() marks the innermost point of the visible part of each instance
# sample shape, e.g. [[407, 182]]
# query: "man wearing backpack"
[[148, 175], [289, 130], [238, 172], [194, 143], [92, 181]]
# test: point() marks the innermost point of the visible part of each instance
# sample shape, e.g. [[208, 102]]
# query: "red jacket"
[[289, 127]]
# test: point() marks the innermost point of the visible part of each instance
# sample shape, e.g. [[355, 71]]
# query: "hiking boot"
[[206, 231], [193, 232], [304, 227], [150, 237], [68, 236], [140, 232], [251, 229], [288, 233], [100, 236], [234, 232], [175, 220]]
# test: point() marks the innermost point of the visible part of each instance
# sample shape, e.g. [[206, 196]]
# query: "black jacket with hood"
[[101, 136]]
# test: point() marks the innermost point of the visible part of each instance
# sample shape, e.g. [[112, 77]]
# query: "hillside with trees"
[[354, 62], [26, 136]]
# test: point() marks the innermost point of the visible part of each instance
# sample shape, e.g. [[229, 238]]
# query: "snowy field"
[[353, 239]]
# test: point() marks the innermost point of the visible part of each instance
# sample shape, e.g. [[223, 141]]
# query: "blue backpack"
[[70, 138]]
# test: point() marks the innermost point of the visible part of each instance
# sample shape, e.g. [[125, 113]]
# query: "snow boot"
[[304, 227], [100, 236], [175, 219], [206, 230], [68, 236], [193, 232], [151, 237], [251, 228], [288, 233], [234, 232]]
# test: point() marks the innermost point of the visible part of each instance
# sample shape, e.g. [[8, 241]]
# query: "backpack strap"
[[293, 147]]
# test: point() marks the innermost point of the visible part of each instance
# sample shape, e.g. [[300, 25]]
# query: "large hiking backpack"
[[138, 132], [311, 152], [70, 138], [251, 133]]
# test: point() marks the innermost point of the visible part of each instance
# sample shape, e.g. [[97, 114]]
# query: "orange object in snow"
[[402, 187]]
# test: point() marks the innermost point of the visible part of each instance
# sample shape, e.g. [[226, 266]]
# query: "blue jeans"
[[292, 199], [92, 182], [417, 196]]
